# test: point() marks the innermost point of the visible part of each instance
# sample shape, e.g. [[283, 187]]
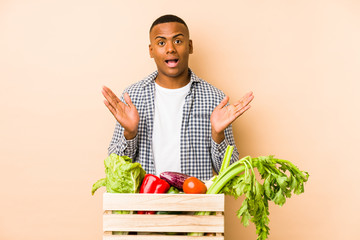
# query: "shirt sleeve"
[[120, 145], [218, 150]]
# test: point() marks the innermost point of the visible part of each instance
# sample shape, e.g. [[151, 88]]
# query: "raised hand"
[[126, 114], [222, 116]]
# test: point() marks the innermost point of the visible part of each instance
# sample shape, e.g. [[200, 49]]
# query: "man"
[[173, 120]]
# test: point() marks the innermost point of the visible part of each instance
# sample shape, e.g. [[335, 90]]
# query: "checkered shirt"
[[200, 154]]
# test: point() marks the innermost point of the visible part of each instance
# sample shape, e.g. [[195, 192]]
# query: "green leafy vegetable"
[[280, 178], [122, 176]]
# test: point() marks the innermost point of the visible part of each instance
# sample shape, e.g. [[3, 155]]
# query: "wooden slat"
[[163, 202], [163, 223], [157, 237]]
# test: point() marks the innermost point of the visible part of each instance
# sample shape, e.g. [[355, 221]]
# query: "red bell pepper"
[[153, 184]]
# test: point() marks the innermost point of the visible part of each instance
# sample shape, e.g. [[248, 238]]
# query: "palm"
[[223, 116], [126, 114]]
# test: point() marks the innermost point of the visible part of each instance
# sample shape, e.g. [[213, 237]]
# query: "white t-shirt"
[[168, 115]]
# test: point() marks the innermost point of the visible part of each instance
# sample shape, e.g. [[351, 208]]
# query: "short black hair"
[[167, 18]]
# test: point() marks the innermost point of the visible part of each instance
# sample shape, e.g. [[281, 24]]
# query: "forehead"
[[168, 30]]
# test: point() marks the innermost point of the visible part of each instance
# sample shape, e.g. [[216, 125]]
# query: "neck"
[[173, 82]]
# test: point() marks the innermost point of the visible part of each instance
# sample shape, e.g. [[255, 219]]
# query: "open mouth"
[[172, 62]]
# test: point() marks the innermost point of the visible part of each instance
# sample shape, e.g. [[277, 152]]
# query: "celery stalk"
[[225, 178], [226, 175], [227, 158]]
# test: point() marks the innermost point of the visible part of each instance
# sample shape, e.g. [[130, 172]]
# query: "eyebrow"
[[177, 35]]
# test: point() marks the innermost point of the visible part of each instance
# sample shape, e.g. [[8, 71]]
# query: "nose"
[[170, 47]]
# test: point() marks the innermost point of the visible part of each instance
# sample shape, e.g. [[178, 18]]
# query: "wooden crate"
[[157, 225]]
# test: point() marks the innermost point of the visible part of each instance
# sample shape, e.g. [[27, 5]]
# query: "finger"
[[108, 94], [244, 101], [108, 100], [248, 95], [248, 100], [223, 102], [108, 90], [110, 107], [128, 100], [240, 111], [113, 101]]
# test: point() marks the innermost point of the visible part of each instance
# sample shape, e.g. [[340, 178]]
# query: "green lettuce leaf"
[[122, 175]]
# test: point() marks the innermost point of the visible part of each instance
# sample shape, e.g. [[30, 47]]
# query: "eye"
[[177, 41], [161, 43]]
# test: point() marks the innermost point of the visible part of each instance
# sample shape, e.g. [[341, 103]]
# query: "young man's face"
[[170, 47]]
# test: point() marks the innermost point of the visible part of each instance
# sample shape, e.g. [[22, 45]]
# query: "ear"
[[191, 48], [150, 51]]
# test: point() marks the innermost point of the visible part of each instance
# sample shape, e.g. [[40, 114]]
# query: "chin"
[[173, 73]]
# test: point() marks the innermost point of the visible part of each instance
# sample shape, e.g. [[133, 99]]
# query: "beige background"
[[301, 59]]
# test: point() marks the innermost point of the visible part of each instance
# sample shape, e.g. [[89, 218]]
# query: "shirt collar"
[[151, 78]]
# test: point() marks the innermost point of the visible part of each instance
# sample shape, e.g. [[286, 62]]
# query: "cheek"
[[184, 51], [156, 55], [159, 53]]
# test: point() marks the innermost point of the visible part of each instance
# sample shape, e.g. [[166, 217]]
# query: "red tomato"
[[194, 185]]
